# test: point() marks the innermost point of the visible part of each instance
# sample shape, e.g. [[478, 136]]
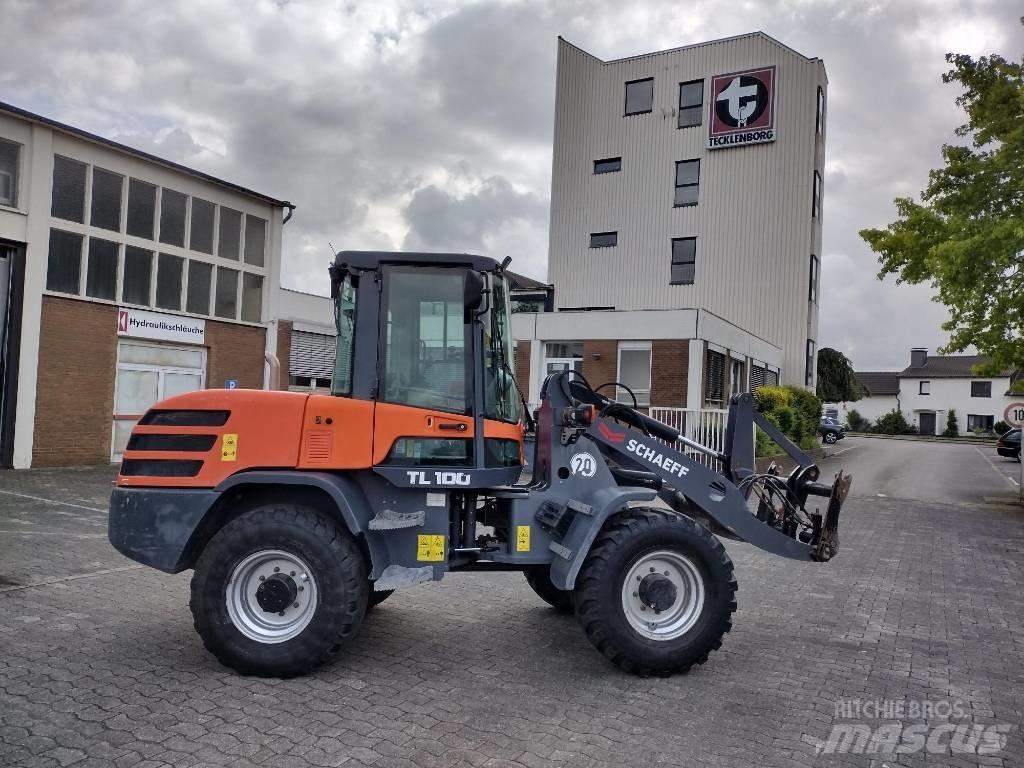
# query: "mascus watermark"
[[945, 730]]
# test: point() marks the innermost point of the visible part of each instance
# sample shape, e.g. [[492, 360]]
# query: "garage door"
[[146, 374]]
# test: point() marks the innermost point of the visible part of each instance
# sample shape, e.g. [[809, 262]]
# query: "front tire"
[[656, 593], [830, 438], [278, 590]]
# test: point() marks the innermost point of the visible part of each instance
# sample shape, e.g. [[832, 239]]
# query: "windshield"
[[501, 399]]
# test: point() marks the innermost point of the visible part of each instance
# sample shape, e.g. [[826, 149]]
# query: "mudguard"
[[348, 497]]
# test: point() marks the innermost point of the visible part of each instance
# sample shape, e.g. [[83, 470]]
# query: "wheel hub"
[[657, 592], [276, 593], [271, 596], [663, 594]]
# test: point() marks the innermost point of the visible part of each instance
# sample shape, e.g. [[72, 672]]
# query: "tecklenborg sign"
[[141, 324], [742, 108]]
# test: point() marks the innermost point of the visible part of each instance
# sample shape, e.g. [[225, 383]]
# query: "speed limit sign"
[[1014, 414]]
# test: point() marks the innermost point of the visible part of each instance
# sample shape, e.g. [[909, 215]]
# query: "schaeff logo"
[[742, 108]]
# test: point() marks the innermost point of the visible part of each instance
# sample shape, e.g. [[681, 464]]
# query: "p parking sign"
[[230, 383]]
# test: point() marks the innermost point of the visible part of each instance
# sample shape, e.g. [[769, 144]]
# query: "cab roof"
[[373, 259]]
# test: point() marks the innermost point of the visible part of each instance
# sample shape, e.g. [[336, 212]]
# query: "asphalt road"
[[950, 473]]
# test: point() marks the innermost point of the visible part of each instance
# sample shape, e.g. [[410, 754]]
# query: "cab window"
[[425, 339]]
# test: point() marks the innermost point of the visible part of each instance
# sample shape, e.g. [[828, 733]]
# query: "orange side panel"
[[503, 429], [264, 430], [337, 433], [394, 421]]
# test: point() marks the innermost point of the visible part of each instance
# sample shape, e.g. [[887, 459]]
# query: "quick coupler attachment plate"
[[827, 544]]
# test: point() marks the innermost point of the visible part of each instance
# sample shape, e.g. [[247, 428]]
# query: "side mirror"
[[473, 294]]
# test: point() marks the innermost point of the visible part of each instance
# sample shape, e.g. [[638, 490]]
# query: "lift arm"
[[637, 442]]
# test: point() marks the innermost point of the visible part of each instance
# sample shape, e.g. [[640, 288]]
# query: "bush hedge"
[[794, 410]]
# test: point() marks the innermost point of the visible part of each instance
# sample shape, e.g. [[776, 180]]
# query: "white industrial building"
[[686, 212], [124, 278]]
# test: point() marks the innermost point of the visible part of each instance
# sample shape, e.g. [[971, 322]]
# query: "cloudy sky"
[[427, 123]]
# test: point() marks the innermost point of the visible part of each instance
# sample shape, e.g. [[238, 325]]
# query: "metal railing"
[[703, 425]]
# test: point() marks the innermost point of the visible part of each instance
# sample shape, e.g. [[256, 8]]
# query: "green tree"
[[966, 236], [836, 382]]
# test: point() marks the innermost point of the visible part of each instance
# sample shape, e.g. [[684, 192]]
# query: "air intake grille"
[[318, 447], [160, 468], [185, 418]]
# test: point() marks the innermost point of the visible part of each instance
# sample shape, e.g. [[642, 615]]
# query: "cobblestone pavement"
[[99, 665]]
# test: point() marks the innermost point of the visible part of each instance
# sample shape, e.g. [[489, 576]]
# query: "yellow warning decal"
[[522, 538], [430, 548], [229, 448]]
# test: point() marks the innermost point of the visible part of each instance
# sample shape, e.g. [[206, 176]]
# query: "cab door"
[[425, 410]]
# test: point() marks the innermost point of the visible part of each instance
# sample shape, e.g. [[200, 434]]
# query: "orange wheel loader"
[[298, 512]]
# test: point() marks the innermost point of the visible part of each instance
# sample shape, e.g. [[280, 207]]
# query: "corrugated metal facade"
[[753, 223]]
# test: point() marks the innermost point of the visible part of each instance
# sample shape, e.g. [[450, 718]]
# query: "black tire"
[[623, 542], [378, 597], [335, 562], [539, 579], [830, 438]]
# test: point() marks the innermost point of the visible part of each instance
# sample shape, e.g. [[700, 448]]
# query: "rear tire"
[[830, 438], [539, 579], [318, 577], [640, 546]]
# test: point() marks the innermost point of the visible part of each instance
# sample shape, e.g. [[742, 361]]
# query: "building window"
[[979, 423], [608, 165], [687, 182], [64, 264], [639, 96], [201, 235], [563, 356], [757, 376], [771, 377], [819, 120], [809, 376], [252, 297], [230, 235], [714, 379], [691, 103], [68, 201], [981, 389], [812, 293], [255, 240], [736, 378], [226, 298], [200, 278], [604, 239], [634, 371], [138, 274], [9, 153], [169, 277], [141, 209], [816, 199], [101, 274], [105, 211], [684, 258], [172, 217], [924, 388]]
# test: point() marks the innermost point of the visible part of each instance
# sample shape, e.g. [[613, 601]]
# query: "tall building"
[[686, 211]]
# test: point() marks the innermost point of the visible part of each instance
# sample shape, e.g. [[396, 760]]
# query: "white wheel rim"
[[249, 617], [677, 619]]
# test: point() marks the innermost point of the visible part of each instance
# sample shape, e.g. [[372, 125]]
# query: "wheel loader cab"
[[427, 338]]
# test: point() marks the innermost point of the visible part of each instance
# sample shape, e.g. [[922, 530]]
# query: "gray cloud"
[[405, 123]]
